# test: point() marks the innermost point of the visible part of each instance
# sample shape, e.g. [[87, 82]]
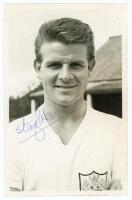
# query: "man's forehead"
[[57, 51], [63, 59], [60, 47]]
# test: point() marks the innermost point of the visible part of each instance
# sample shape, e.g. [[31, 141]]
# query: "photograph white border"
[[129, 98]]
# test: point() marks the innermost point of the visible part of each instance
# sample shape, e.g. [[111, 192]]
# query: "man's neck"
[[66, 119], [72, 112]]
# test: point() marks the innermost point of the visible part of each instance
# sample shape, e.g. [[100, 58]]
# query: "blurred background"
[[104, 89]]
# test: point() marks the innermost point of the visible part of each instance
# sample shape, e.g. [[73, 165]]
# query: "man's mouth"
[[65, 86]]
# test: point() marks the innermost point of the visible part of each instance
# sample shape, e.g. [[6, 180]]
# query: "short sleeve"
[[16, 168]]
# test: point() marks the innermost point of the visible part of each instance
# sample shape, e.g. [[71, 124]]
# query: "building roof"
[[106, 76], [36, 93], [108, 61], [106, 87]]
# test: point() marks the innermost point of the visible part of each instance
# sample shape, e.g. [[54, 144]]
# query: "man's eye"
[[54, 65], [76, 65]]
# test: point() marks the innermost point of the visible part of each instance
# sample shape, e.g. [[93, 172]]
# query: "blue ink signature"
[[40, 119]]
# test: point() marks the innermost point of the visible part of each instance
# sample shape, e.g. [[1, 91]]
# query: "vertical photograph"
[[65, 99]]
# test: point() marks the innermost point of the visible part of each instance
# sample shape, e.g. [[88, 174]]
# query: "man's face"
[[63, 72]]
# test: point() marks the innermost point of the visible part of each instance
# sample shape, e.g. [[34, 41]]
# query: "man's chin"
[[66, 102]]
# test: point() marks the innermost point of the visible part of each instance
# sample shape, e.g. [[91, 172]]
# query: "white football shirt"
[[92, 160]]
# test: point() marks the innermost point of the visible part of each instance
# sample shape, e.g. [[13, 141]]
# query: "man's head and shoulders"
[[65, 56]]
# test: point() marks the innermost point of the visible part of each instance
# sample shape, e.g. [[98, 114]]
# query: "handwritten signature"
[[36, 125]]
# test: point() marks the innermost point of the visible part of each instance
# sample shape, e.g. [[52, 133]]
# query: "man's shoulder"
[[103, 125], [27, 125], [105, 120], [105, 116], [15, 123], [29, 117]]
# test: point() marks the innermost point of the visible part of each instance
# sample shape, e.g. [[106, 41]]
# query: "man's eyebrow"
[[61, 61], [78, 61], [52, 61]]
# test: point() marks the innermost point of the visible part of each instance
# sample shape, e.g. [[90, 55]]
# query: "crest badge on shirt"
[[93, 181]]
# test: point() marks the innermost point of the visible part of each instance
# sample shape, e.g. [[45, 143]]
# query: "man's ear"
[[37, 66], [91, 64]]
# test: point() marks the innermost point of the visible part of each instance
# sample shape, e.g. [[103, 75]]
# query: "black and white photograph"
[[66, 97]]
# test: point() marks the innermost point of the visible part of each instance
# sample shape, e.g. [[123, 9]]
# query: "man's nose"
[[65, 73]]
